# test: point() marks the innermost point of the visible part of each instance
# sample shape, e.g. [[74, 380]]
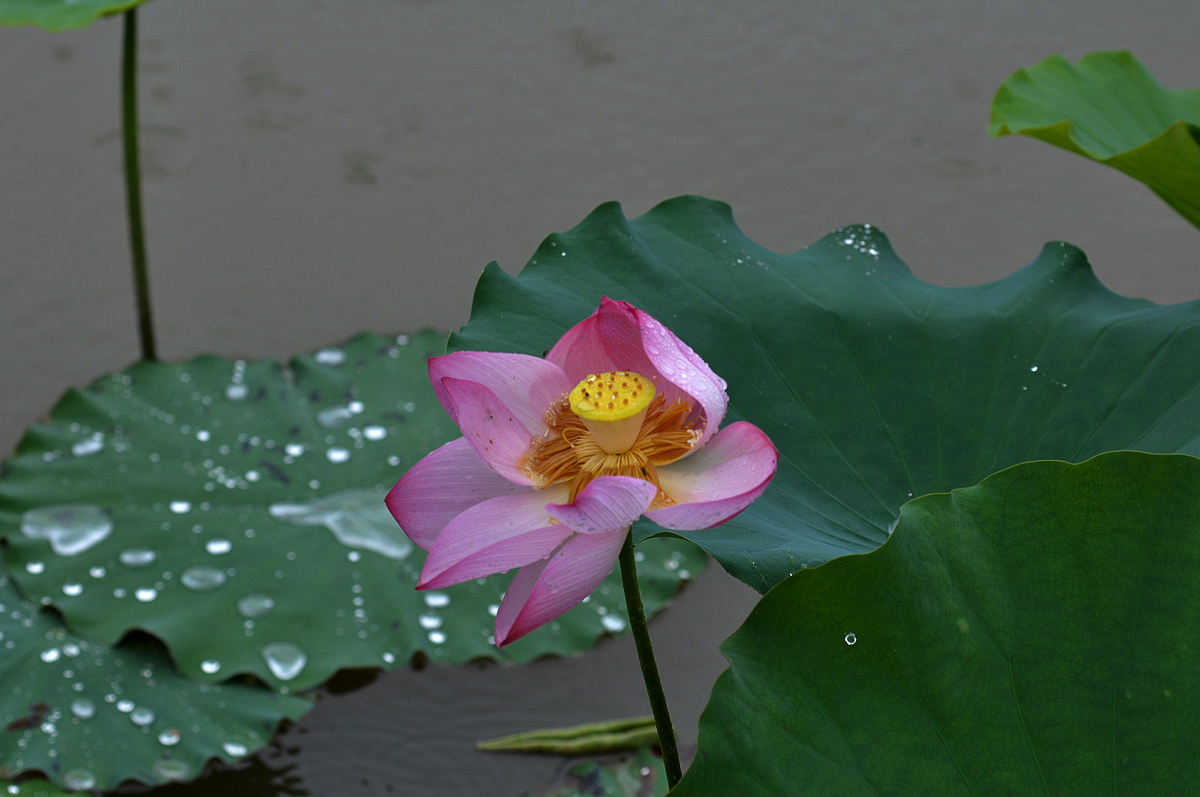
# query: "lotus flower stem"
[[133, 183], [645, 651]]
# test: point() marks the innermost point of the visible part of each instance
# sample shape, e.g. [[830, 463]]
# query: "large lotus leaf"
[[89, 716], [60, 14], [873, 385], [1110, 109], [235, 511], [1035, 634]]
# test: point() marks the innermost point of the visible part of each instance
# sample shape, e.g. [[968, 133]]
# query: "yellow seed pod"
[[611, 396]]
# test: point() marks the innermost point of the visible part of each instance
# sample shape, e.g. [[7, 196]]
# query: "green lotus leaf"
[[1034, 634], [235, 511], [874, 386], [1110, 109], [33, 788], [60, 14], [89, 716]]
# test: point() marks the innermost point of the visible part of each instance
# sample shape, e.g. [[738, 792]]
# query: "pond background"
[[313, 169]]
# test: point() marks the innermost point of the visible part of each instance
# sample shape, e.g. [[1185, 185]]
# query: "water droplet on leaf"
[[284, 659], [70, 528]]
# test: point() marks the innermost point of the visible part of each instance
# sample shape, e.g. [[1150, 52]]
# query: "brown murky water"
[[314, 169]]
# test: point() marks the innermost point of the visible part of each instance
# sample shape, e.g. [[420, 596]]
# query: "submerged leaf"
[[588, 739], [89, 716], [235, 511], [1110, 109], [874, 386], [1034, 634]]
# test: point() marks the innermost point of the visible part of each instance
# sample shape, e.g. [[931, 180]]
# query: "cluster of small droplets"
[[611, 396]]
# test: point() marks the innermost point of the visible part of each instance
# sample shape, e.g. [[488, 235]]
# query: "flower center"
[[612, 424], [612, 405]]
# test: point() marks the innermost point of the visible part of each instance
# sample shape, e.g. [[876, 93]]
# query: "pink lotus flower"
[[559, 456]]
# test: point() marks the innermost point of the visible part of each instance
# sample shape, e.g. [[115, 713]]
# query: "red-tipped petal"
[[440, 487], [544, 590], [719, 480]]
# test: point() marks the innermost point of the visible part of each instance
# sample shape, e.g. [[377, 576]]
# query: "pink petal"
[[525, 385], [719, 480], [618, 336], [494, 536], [440, 487], [496, 436], [606, 504], [545, 590]]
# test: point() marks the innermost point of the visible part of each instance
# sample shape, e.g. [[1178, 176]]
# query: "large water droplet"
[[285, 659], [79, 779], [218, 546], [126, 706], [137, 557], [180, 507], [358, 519], [170, 737], [50, 655], [70, 528], [374, 432], [430, 621], [35, 568], [255, 606], [210, 666], [202, 577], [172, 769], [141, 716], [83, 708], [89, 445], [235, 749], [612, 623], [851, 638], [72, 590], [437, 600], [146, 594], [337, 455], [236, 392], [330, 356]]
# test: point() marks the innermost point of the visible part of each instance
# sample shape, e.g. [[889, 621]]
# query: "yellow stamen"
[[612, 406], [571, 450]]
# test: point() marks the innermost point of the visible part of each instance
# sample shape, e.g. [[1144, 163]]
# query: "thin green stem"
[[133, 183], [645, 651]]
